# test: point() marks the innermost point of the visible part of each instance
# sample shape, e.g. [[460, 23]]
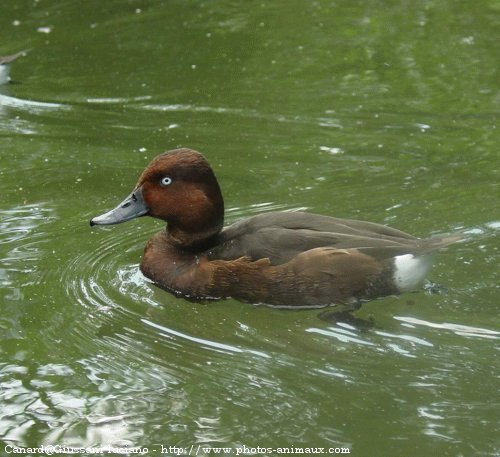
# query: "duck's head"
[[180, 188]]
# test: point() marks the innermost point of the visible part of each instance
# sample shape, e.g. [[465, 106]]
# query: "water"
[[383, 111]]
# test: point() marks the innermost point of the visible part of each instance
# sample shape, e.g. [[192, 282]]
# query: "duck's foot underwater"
[[345, 315], [432, 288]]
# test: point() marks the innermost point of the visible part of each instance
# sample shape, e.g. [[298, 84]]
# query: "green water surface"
[[377, 110]]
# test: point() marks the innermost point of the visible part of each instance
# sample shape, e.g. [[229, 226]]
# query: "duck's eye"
[[166, 181]]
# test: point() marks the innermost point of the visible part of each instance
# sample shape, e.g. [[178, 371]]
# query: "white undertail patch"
[[410, 271]]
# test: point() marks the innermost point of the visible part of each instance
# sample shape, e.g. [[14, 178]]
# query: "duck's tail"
[[430, 245], [411, 269]]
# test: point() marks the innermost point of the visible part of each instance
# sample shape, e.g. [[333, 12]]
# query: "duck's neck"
[[198, 229], [198, 240]]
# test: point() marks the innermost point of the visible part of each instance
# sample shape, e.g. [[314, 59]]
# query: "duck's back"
[[280, 236]]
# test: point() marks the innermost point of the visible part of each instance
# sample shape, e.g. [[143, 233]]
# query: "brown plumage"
[[289, 259]]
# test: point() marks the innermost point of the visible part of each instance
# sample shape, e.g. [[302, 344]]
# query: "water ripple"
[[204, 343], [30, 105], [90, 273], [458, 329]]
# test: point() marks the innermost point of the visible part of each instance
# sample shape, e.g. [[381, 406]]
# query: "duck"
[[283, 259], [5, 63]]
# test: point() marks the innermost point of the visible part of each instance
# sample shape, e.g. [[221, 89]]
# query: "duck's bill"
[[130, 208]]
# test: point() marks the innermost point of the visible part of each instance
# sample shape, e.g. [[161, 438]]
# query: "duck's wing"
[[280, 236]]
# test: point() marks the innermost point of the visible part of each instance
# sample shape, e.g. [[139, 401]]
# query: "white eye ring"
[[166, 181]]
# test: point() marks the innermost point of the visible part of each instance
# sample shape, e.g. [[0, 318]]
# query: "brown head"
[[180, 188]]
